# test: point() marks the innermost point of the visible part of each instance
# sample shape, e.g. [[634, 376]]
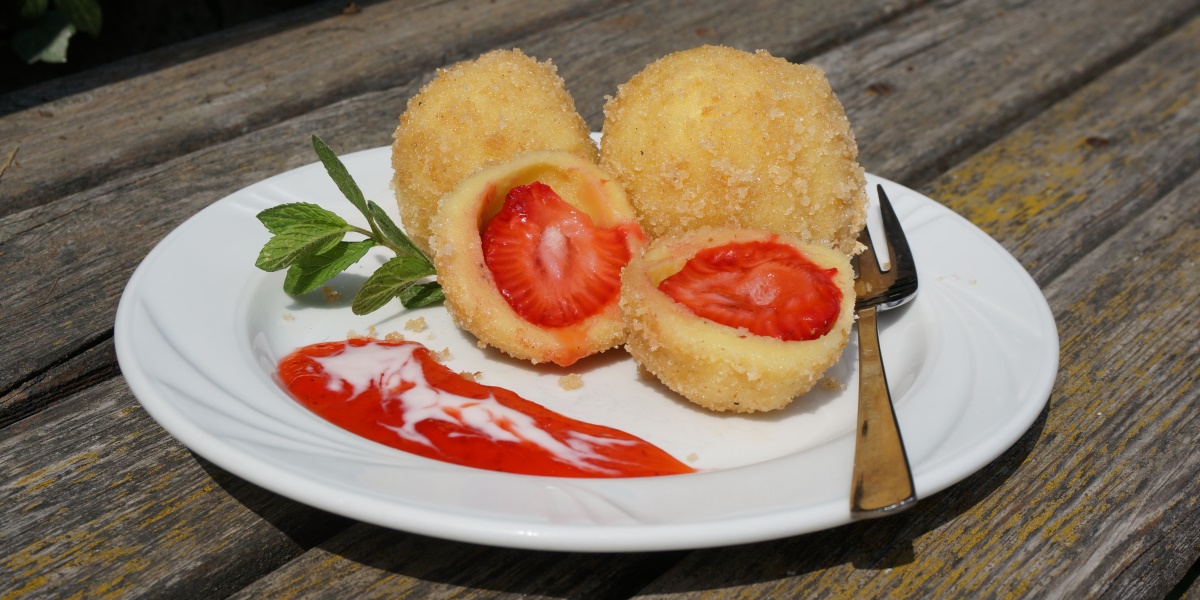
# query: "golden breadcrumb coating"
[[475, 113], [713, 365], [472, 298], [720, 137]]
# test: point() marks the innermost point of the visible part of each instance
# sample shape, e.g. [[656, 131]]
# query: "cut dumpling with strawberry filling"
[[549, 260], [737, 320], [529, 254]]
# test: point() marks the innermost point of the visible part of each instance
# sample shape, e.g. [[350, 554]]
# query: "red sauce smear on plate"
[[396, 394]]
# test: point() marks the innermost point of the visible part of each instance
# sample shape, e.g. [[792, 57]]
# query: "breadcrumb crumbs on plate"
[[472, 376], [692, 457], [331, 295], [831, 383], [354, 335], [570, 382], [394, 336], [287, 316], [416, 325], [443, 355]]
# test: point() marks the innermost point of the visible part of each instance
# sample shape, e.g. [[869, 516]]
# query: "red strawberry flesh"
[[766, 287], [549, 260]]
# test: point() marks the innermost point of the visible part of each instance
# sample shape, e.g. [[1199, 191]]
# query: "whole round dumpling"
[[737, 320], [715, 136], [476, 113], [529, 255]]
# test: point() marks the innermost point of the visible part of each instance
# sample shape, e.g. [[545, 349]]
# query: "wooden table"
[[1067, 130]]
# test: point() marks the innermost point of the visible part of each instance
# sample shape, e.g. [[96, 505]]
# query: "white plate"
[[199, 331]]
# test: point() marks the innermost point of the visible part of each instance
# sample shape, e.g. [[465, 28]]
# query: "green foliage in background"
[[49, 28]]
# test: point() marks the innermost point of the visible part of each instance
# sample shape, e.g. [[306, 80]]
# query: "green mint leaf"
[[387, 282], [46, 41], [420, 295], [340, 175], [278, 218], [295, 241], [311, 271], [83, 14], [393, 234]]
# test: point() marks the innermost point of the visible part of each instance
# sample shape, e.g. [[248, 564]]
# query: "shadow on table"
[[303, 524]]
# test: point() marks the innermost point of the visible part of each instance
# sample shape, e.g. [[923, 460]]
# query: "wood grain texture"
[[100, 502], [633, 36], [941, 82], [88, 245], [90, 366], [1099, 497], [92, 137], [1076, 191], [36, 95], [368, 562]]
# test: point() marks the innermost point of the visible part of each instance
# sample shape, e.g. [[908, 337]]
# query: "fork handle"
[[882, 481]]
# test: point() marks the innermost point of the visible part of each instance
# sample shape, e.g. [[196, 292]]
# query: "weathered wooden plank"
[[87, 139], [632, 37], [1118, 125], [91, 366], [1098, 498], [100, 502], [939, 84], [368, 562], [154, 60], [87, 246]]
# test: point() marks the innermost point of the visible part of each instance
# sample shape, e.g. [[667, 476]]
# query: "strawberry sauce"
[[766, 287], [396, 394]]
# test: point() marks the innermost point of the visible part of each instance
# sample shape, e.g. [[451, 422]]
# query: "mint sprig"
[[309, 242]]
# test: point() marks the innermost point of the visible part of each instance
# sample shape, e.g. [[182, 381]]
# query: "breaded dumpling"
[[717, 136], [737, 320], [529, 254], [476, 113]]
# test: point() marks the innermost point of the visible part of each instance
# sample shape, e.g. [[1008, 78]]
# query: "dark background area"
[[130, 27]]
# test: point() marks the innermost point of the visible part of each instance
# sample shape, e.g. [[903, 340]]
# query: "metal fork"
[[882, 482]]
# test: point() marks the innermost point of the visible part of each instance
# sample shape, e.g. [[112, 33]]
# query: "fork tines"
[[886, 289]]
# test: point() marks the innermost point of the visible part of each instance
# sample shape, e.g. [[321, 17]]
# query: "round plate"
[[199, 331]]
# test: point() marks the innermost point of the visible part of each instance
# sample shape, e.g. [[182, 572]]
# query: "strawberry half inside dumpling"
[[549, 260], [529, 255]]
